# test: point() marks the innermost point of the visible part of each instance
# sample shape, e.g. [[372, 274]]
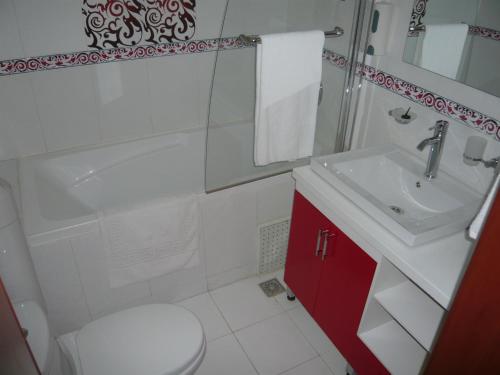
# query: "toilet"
[[156, 339]]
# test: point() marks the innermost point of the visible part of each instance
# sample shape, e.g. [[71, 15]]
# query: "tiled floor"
[[251, 334]]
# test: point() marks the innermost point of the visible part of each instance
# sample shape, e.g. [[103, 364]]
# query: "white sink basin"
[[388, 183]]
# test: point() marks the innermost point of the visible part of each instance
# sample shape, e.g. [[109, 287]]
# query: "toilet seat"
[[157, 339]]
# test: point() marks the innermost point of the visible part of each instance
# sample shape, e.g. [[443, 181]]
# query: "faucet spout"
[[426, 142], [436, 142]]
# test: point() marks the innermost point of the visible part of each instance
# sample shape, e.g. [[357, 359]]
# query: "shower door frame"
[[347, 115]]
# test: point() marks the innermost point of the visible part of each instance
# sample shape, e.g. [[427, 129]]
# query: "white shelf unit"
[[400, 321], [414, 310], [395, 348]]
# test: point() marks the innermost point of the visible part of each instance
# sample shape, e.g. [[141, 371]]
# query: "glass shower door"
[[230, 135]]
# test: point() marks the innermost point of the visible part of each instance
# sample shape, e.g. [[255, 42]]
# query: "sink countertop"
[[435, 266]]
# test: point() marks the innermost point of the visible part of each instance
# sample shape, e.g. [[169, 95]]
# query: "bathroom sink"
[[388, 183]]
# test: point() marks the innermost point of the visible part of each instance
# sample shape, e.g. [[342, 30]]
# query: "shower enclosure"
[[230, 134]]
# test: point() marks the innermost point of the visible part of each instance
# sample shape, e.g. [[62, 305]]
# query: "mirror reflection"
[[458, 39]]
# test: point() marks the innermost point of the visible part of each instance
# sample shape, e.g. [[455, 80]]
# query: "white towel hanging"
[[289, 70]]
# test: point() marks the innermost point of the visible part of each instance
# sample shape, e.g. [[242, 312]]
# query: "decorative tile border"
[[439, 104], [484, 32], [480, 31], [336, 59], [65, 60]]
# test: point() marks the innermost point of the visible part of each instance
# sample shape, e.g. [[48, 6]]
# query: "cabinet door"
[[345, 282], [303, 265]]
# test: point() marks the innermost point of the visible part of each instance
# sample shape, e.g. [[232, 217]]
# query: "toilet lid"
[[147, 340]]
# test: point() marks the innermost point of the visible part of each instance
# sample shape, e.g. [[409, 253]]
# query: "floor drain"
[[397, 210], [272, 287]]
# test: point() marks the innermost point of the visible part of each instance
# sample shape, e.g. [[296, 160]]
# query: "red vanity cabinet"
[[331, 277]]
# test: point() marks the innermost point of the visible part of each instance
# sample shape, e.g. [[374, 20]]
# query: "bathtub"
[[67, 189]]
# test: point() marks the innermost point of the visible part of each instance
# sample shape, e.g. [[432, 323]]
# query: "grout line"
[[326, 364], [302, 333], [300, 364], [75, 261], [246, 354]]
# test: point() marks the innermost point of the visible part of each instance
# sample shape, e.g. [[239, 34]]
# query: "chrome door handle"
[[321, 232], [325, 244]]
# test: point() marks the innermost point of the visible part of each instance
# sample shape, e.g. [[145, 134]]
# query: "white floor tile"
[[225, 357], [311, 330], [243, 303], [313, 367], [275, 345], [335, 361], [205, 309]]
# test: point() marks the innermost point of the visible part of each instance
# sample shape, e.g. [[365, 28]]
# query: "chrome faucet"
[[436, 142]]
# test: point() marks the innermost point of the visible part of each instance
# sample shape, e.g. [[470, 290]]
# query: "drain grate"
[[272, 287]]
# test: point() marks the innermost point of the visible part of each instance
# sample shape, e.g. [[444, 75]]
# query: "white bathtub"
[[66, 189]]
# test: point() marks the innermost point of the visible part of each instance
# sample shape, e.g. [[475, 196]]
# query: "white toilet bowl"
[[156, 339]]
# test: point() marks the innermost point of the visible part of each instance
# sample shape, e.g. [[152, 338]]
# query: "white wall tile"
[[229, 221], [179, 91], [209, 17], [274, 200], [123, 100], [179, 285], [90, 254], [230, 276], [50, 26], [20, 130], [59, 279], [67, 107], [10, 39]]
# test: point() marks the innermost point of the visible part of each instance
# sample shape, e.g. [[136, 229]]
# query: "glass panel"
[[230, 138]]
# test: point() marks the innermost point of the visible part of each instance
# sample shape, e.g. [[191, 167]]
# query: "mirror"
[[458, 39]]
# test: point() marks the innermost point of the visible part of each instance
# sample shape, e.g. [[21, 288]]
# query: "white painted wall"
[[374, 126]]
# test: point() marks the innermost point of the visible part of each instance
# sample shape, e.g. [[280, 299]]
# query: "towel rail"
[[255, 39]]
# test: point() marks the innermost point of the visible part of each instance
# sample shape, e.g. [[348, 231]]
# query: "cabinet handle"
[[325, 244], [321, 232]]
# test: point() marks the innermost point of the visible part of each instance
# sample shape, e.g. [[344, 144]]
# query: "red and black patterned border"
[[440, 104], [484, 32], [65, 60]]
